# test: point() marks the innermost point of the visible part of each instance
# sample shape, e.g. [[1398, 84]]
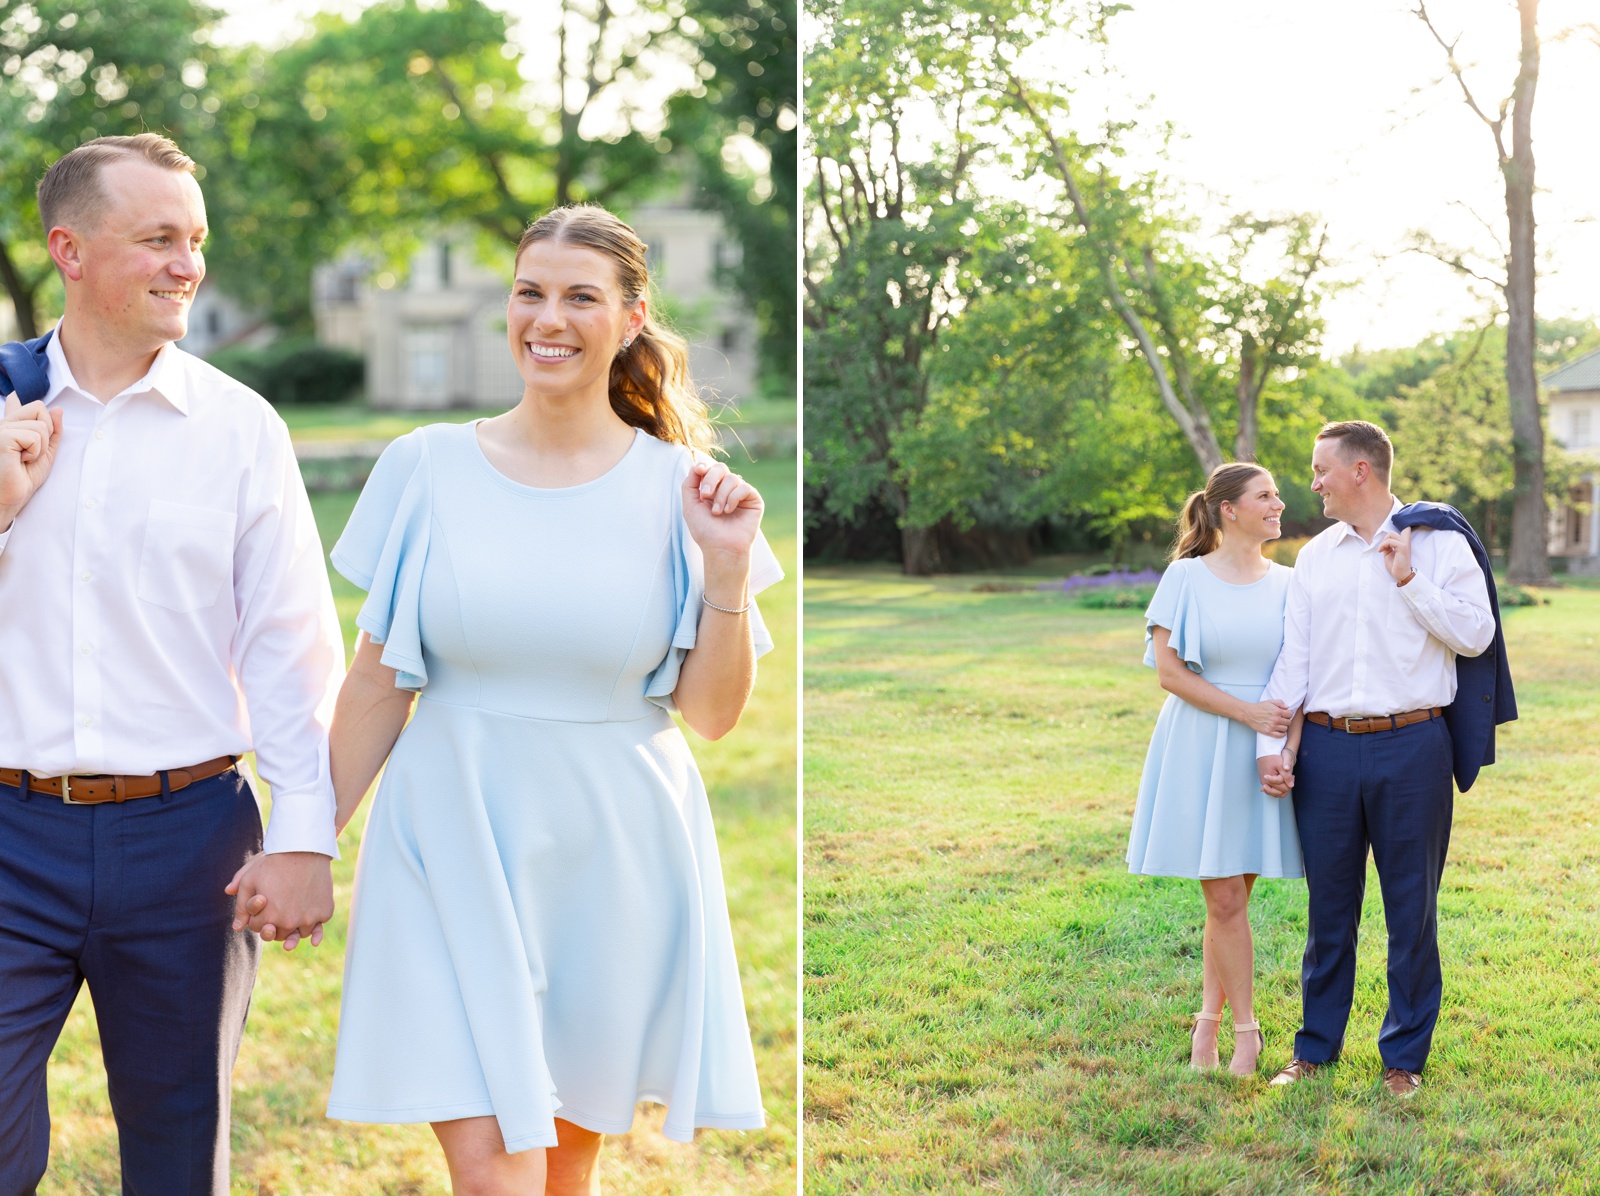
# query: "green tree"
[[750, 102], [1210, 333], [892, 234], [1528, 562], [71, 71]]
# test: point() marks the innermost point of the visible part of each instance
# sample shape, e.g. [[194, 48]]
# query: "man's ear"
[[65, 252]]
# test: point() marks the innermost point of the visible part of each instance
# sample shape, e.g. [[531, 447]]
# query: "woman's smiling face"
[[1257, 511], [567, 317]]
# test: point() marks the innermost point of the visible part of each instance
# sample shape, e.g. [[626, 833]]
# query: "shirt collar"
[[165, 378], [1344, 529]]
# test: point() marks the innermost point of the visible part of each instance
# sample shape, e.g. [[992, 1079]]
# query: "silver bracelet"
[[725, 610]]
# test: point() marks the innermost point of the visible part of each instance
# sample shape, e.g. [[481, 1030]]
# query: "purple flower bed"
[[1079, 581]]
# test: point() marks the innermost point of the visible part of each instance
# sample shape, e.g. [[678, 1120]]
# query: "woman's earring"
[[626, 341]]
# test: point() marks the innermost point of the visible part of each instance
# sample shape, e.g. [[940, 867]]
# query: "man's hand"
[[287, 895], [29, 437], [1397, 554], [1276, 773]]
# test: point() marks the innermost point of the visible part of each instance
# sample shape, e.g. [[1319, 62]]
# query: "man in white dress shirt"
[[166, 608], [1374, 623]]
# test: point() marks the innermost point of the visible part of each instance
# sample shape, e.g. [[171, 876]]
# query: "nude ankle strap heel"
[[1202, 1016], [1261, 1037]]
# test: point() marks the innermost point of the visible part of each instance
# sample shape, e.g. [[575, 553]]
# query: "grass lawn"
[[993, 1004], [282, 1144]]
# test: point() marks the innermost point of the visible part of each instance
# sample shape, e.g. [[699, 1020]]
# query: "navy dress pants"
[[1392, 791], [128, 898]]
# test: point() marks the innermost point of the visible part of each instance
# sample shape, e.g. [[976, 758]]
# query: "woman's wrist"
[[727, 578]]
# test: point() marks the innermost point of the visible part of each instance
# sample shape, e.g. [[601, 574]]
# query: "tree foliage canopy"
[[983, 361], [381, 127]]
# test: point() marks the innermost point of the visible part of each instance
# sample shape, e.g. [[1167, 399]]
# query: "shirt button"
[[99, 433], [87, 721], [88, 504], [87, 649], [87, 576]]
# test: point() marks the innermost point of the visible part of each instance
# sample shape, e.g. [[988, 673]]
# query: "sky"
[[1340, 108], [1346, 109]]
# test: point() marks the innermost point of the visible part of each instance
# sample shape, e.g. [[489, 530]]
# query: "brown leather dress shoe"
[[1297, 1070], [1400, 1083]]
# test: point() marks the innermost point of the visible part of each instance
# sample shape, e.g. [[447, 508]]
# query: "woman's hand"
[[723, 510], [1267, 718]]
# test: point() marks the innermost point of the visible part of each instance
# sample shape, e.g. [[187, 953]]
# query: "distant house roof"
[[1582, 373]]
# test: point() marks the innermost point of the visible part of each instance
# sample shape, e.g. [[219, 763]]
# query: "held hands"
[[1396, 551], [287, 896], [723, 510], [1268, 718], [29, 437], [1276, 773]]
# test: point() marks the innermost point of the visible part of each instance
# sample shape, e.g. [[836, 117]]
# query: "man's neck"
[[1366, 522], [100, 368]]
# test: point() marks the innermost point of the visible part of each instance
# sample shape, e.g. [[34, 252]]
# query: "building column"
[[1594, 514]]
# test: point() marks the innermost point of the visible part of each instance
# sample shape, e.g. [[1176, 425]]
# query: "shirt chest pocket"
[[187, 555]]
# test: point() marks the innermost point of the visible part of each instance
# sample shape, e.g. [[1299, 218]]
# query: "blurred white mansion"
[[436, 338], [1573, 396]]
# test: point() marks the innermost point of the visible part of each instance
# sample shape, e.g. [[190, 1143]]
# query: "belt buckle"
[[66, 794]]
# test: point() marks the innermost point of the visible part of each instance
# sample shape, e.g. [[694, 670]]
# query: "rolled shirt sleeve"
[[1291, 675], [288, 654], [1451, 599]]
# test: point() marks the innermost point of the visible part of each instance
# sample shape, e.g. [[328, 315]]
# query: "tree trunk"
[[1244, 444], [21, 295], [1528, 562], [919, 551]]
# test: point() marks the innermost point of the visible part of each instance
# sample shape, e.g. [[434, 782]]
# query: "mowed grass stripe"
[[993, 1004], [282, 1143]]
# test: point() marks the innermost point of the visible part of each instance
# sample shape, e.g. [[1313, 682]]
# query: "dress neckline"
[[1236, 585], [512, 484]]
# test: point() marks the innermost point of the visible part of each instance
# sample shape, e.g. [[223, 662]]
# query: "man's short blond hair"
[[70, 192], [1362, 441]]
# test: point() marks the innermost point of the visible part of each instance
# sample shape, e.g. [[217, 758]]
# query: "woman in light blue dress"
[[1212, 634], [539, 937]]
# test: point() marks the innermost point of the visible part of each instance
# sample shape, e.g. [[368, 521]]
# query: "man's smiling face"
[[142, 260], [1336, 481]]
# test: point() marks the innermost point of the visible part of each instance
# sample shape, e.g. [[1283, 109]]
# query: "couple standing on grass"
[[1314, 713], [539, 937]]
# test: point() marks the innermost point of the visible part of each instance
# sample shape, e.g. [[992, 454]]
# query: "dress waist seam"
[[649, 715]]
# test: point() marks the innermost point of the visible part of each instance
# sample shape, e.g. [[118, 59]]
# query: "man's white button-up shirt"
[[163, 597], [1355, 643]]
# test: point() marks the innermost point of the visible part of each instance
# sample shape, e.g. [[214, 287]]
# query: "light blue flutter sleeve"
[[382, 550], [1175, 608], [689, 588]]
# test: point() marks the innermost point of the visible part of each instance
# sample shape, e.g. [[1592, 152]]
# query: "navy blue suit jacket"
[[23, 368], [1483, 683]]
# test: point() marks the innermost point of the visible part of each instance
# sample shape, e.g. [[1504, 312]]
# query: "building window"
[[1582, 429], [1579, 512], [427, 350], [213, 322]]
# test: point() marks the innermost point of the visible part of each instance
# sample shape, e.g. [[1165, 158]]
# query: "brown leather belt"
[[97, 789], [1377, 722]]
